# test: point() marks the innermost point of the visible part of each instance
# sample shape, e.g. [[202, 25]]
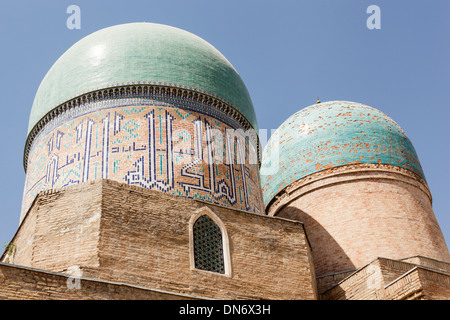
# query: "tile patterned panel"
[[158, 145]]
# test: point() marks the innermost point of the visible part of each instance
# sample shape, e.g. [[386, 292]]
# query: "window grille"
[[208, 247]]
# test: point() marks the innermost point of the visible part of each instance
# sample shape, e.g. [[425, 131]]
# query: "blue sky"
[[287, 52]]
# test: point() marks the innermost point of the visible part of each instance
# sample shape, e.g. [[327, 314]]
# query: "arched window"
[[209, 243]]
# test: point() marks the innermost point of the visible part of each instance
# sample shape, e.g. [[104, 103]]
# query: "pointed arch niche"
[[208, 243]]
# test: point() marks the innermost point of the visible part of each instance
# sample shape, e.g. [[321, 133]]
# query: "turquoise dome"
[[145, 52], [333, 134]]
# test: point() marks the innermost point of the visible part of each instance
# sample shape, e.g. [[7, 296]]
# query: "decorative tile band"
[[161, 145]]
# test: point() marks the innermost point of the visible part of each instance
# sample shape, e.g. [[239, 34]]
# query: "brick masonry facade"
[[122, 233]]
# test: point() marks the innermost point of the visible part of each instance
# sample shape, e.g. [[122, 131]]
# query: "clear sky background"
[[287, 52]]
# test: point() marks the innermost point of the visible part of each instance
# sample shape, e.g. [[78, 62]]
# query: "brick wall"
[[20, 283], [363, 284], [436, 285], [141, 237], [387, 279], [407, 287], [427, 262], [356, 214], [161, 146], [329, 281], [60, 230], [269, 257]]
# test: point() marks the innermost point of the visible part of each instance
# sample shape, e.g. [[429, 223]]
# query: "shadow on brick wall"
[[328, 256]]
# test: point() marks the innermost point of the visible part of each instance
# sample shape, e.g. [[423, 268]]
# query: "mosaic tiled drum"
[[149, 105]]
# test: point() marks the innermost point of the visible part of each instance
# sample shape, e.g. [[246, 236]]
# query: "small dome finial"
[[318, 101]]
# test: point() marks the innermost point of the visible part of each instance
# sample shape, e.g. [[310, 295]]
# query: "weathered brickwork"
[[355, 214], [420, 284], [168, 145], [329, 281], [20, 283], [141, 237], [60, 231], [427, 262], [387, 279], [406, 287], [144, 180]]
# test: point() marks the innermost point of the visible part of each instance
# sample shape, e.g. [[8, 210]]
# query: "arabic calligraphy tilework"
[[156, 147]]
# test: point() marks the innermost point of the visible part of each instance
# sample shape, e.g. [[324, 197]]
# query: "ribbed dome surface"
[[334, 134], [144, 52]]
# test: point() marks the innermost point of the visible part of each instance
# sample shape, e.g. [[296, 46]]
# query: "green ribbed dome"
[[140, 52]]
